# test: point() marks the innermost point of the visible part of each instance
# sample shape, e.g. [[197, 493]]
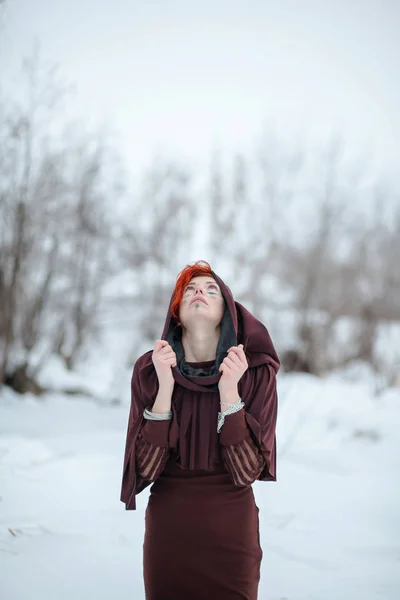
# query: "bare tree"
[[307, 253], [155, 242], [55, 238], [222, 216]]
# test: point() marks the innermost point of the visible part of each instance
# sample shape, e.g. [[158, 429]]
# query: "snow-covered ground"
[[330, 526]]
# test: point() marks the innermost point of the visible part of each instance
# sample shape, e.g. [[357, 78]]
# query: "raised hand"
[[232, 368], [164, 359]]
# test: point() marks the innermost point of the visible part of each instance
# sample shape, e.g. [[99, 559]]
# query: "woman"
[[202, 428]]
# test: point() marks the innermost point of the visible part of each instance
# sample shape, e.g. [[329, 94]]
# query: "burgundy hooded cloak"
[[194, 459]]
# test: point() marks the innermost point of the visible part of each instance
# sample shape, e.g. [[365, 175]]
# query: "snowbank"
[[329, 527]]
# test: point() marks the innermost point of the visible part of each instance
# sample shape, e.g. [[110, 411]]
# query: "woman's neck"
[[200, 346]]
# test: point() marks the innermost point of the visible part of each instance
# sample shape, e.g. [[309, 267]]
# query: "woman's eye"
[[213, 286]]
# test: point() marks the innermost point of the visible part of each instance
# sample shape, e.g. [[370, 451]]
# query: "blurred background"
[[263, 137]]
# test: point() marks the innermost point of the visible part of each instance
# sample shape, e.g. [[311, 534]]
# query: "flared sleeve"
[[152, 450], [258, 391], [147, 442], [241, 455]]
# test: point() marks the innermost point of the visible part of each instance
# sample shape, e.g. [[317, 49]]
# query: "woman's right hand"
[[164, 358]]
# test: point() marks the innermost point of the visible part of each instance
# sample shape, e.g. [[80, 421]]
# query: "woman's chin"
[[200, 317]]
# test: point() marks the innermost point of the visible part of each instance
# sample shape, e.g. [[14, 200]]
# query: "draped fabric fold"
[[244, 462], [153, 449], [150, 459], [261, 411]]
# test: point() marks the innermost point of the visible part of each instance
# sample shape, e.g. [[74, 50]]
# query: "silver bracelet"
[[235, 407], [229, 403], [167, 416]]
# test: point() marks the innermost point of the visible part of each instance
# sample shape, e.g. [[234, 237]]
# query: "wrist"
[[228, 409], [228, 405], [166, 387], [163, 399], [229, 396]]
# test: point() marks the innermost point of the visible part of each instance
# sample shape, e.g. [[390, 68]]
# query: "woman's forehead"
[[203, 279]]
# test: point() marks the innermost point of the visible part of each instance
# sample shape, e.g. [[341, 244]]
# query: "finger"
[[238, 349], [232, 358], [235, 358], [239, 352], [168, 356], [226, 370], [160, 344], [166, 350], [233, 365], [230, 363], [162, 360]]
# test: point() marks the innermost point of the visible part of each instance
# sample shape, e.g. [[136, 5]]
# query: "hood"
[[238, 326]]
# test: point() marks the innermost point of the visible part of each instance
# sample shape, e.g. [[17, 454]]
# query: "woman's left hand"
[[232, 368]]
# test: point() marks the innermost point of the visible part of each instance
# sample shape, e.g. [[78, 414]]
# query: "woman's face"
[[202, 301]]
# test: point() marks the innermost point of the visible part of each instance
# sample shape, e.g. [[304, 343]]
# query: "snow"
[[329, 528]]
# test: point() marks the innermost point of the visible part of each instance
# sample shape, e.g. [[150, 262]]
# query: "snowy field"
[[330, 527]]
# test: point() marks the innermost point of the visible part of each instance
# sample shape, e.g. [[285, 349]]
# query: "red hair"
[[199, 268]]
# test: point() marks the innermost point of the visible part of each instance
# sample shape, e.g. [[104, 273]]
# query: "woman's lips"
[[198, 300]]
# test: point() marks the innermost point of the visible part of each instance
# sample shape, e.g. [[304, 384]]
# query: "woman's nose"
[[199, 290]]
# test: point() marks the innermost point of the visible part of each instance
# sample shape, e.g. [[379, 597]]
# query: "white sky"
[[182, 78]]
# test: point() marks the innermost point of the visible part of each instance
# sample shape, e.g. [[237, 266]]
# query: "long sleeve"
[[158, 434], [152, 451], [242, 458]]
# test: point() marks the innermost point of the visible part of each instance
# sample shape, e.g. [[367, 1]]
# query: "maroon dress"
[[201, 523], [201, 535]]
